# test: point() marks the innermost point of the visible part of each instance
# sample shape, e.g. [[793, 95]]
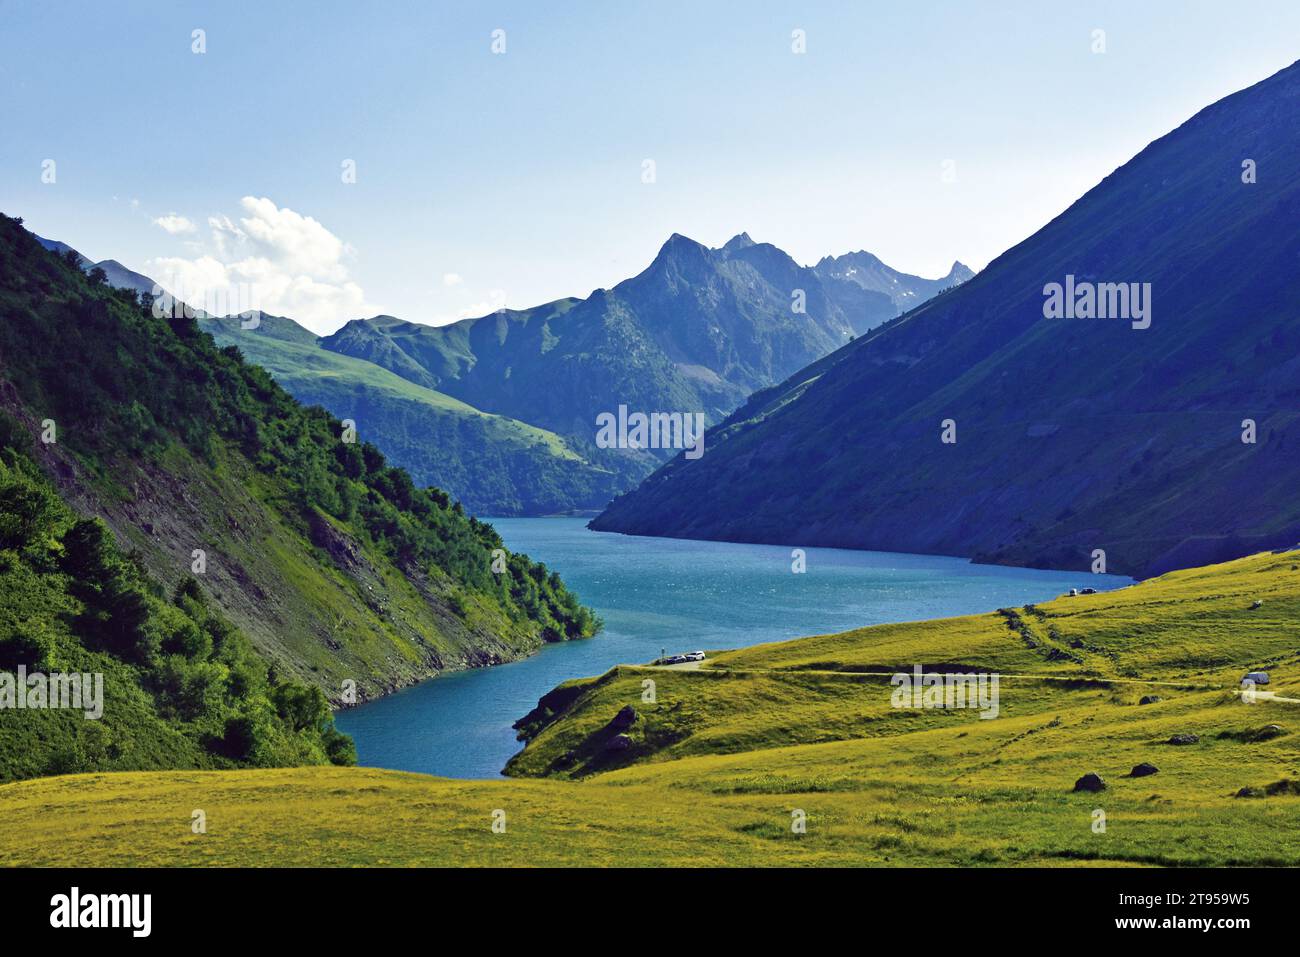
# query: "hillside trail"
[[1271, 696]]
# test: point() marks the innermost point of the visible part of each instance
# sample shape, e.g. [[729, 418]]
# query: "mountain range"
[[863, 269], [501, 410], [697, 330], [975, 425], [231, 561], [491, 464], [235, 561]]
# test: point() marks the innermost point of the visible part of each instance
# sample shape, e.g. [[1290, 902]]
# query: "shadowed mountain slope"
[[1073, 434], [697, 331]]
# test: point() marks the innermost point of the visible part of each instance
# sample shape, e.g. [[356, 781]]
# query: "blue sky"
[[510, 179]]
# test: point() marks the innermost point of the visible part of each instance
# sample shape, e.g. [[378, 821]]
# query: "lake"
[[671, 595]]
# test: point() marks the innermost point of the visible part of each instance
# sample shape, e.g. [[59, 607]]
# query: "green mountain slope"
[[162, 682], [489, 463], [333, 563], [697, 331], [492, 464], [720, 766], [116, 275], [1072, 435]]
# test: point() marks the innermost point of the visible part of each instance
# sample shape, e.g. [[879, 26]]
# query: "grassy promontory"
[[728, 756]]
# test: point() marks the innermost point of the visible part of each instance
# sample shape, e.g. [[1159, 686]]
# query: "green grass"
[[300, 366], [726, 753], [493, 464]]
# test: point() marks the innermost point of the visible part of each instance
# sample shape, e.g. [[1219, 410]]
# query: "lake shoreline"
[[663, 595]]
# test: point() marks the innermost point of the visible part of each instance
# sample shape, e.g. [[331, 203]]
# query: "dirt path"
[[680, 666], [1100, 679]]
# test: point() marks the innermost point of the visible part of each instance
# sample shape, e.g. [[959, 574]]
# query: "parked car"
[[682, 658]]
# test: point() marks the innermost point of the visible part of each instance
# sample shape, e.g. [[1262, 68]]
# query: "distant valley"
[[501, 410]]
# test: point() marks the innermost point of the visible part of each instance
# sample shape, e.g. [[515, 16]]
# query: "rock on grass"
[[1090, 782]]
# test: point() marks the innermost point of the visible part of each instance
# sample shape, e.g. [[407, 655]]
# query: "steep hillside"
[[116, 275], [491, 464], [720, 768], [156, 681], [698, 330], [332, 562], [1071, 434]]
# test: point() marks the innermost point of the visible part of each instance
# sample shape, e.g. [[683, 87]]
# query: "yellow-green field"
[[716, 767]]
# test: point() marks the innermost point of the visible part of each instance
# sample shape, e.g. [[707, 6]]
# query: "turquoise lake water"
[[674, 595]]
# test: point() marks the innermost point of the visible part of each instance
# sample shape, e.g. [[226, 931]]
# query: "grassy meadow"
[[726, 760]]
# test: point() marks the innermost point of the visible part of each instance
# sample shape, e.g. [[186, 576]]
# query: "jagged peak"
[[678, 241], [380, 321], [354, 325], [679, 248], [738, 241]]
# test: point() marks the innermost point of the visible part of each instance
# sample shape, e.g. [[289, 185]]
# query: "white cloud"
[[496, 299], [451, 279], [190, 275], [273, 259], [174, 224], [477, 304], [299, 244]]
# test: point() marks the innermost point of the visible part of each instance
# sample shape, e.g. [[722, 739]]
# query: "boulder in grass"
[[1249, 792], [1090, 782], [1185, 738], [1150, 699], [624, 719], [1267, 733], [1143, 770], [620, 742]]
